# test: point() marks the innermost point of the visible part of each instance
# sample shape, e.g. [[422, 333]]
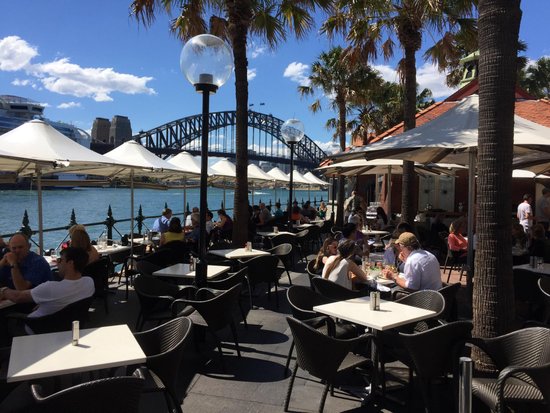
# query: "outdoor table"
[[544, 270], [182, 271], [46, 355], [374, 233], [303, 226], [233, 254], [111, 249], [274, 234]]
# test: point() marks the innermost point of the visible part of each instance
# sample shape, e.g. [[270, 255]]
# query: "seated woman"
[[341, 269], [174, 233], [322, 213], [296, 214], [81, 239], [456, 241], [381, 218], [329, 248], [223, 229]]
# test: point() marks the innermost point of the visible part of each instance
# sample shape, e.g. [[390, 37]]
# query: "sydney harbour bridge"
[[265, 142]]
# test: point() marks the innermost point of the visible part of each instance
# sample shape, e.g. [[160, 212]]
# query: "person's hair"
[[222, 212], [166, 211], [78, 256], [404, 227], [382, 214], [455, 226], [323, 252], [81, 239], [20, 234], [209, 214], [175, 225], [345, 250], [526, 197], [76, 227], [538, 232], [278, 204], [348, 229]]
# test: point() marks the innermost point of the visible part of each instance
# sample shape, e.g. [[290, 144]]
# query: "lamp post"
[[207, 62], [292, 131]]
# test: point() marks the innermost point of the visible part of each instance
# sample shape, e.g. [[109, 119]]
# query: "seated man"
[[264, 216], [188, 223], [161, 224], [52, 296], [421, 267], [22, 269]]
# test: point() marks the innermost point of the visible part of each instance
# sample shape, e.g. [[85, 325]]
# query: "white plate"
[[385, 281]]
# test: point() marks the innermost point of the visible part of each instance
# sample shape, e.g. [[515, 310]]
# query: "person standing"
[[542, 211], [525, 213]]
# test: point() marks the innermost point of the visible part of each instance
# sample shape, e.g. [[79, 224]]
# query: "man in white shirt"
[[421, 271], [52, 296], [525, 213]]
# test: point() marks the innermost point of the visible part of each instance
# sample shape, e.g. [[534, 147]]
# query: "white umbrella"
[[314, 180], [279, 176], [191, 167], [225, 171], [257, 175], [37, 148]]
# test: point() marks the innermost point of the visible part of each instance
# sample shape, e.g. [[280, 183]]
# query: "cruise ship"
[[16, 110]]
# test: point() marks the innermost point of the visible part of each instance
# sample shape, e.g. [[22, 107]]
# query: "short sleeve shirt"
[[34, 269], [340, 274], [52, 296], [161, 224], [524, 209]]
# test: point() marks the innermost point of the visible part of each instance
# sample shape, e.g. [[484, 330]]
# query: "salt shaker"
[[76, 333]]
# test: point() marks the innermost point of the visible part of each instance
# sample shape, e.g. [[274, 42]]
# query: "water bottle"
[[191, 263]]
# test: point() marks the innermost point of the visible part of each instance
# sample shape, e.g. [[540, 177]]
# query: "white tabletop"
[[390, 315], [46, 355], [182, 271], [274, 234], [112, 249], [372, 232], [303, 226], [545, 269], [238, 253]]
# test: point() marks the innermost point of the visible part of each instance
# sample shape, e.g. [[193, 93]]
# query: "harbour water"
[[91, 205]]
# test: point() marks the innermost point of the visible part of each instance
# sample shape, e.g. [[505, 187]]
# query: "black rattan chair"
[[229, 281], [544, 287], [214, 311], [312, 273], [322, 356], [99, 272], [522, 359], [335, 292], [284, 253], [434, 354], [300, 241], [108, 395], [164, 346], [263, 269]]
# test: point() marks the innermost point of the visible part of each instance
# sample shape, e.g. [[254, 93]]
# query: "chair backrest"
[[310, 268], [449, 293], [544, 286], [333, 291], [229, 281], [262, 269], [108, 395], [317, 353], [540, 375], [164, 347], [282, 239], [99, 272], [302, 300], [218, 310], [180, 251], [146, 267], [162, 257], [426, 299], [301, 236], [281, 250], [148, 289], [434, 352], [61, 320]]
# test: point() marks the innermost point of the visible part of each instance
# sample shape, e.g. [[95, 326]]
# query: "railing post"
[[72, 220], [315, 200], [165, 205], [139, 220], [187, 211], [110, 223], [465, 386], [25, 228]]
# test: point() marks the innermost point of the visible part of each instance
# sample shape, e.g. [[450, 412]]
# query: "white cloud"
[[15, 53], [329, 147], [427, 76], [251, 74], [256, 51], [297, 72], [68, 105], [66, 78], [22, 82]]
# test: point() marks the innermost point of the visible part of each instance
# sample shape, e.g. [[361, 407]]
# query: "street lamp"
[[292, 131], [207, 62]]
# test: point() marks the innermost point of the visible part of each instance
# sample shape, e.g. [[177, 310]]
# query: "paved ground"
[[257, 382]]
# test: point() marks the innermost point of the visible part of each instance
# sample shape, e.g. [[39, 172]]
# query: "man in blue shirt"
[[161, 224], [22, 269]]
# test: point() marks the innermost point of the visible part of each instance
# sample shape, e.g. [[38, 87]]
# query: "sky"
[[84, 59]]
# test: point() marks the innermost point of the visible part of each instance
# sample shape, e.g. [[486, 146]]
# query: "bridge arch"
[[264, 139]]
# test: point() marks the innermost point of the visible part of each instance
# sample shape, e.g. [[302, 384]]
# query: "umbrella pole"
[[184, 199], [308, 193], [252, 187], [388, 189], [40, 214], [131, 213]]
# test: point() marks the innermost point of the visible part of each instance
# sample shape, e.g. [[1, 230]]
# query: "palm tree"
[[493, 299], [368, 24], [536, 78], [235, 20], [343, 82]]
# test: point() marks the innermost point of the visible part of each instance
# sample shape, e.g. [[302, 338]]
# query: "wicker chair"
[[108, 395], [522, 358], [323, 357], [263, 269], [434, 354], [164, 346], [448, 291], [284, 253], [99, 272], [335, 292], [544, 287], [229, 281], [213, 311], [300, 242], [312, 273]]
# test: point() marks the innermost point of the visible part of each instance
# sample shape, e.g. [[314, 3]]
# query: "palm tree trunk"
[[493, 295], [239, 15], [341, 179]]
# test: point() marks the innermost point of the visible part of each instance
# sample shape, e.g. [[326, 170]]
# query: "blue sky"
[[91, 59]]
